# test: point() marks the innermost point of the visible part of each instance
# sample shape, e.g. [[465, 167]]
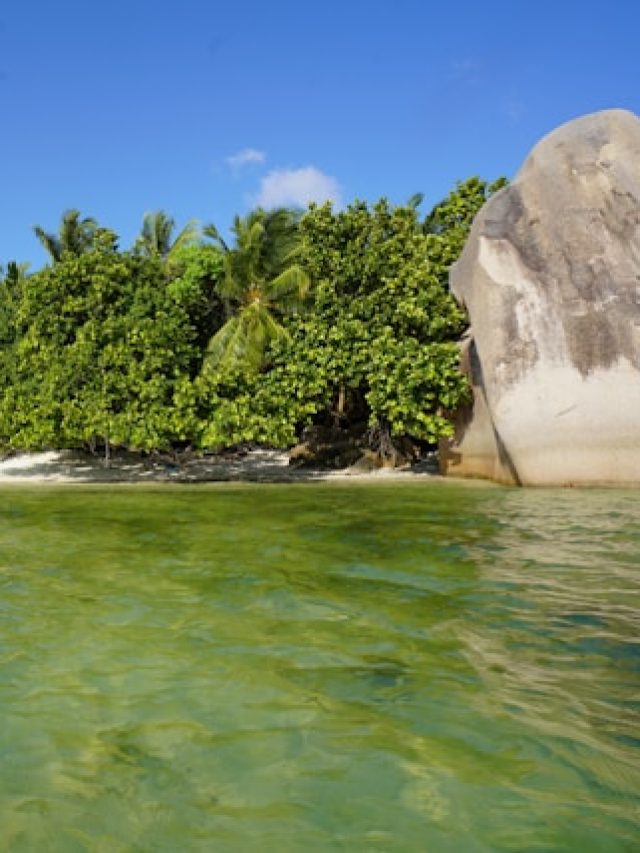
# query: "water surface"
[[319, 667]]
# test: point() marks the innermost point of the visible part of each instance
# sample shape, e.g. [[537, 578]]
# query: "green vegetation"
[[74, 236], [262, 282], [338, 319], [156, 235]]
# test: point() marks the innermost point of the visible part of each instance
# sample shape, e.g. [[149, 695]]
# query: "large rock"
[[550, 276]]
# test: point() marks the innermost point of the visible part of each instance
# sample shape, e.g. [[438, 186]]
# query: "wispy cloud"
[[466, 71], [245, 157], [513, 106], [297, 187]]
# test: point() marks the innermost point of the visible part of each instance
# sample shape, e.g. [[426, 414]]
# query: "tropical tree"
[[262, 282], [97, 354], [12, 280], [376, 348], [156, 236], [74, 235], [453, 216], [13, 273], [192, 276]]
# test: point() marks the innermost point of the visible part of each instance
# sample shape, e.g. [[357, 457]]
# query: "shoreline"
[[65, 467]]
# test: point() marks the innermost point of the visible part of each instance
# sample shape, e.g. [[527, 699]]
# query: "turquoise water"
[[319, 667]]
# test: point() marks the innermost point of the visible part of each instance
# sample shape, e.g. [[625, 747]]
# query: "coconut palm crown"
[[262, 282], [74, 235], [156, 236], [14, 272]]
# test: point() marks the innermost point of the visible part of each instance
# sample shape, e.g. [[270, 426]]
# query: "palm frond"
[[233, 284], [230, 289], [14, 273], [289, 290], [50, 243], [243, 339], [155, 234], [189, 234], [262, 329], [212, 232], [76, 234], [272, 330], [231, 345], [281, 241], [17, 272], [225, 346], [251, 237], [261, 281]]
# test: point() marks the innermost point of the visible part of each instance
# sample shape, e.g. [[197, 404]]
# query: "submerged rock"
[[550, 277]]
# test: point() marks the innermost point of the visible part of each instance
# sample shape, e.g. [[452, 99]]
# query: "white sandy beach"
[[266, 466]]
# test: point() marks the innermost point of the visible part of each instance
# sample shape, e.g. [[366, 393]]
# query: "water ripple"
[[389, 668]]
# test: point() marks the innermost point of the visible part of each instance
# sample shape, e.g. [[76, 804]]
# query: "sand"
[[262, 466]]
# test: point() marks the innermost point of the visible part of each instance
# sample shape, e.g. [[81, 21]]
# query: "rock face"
[[550, 276]]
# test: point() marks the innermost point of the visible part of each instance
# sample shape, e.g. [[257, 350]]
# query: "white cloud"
[[245, 157], [297, 187]]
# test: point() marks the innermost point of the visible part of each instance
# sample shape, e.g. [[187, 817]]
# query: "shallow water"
[[319, 667]]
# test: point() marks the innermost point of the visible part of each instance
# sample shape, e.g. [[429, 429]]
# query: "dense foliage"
[[262, 281], [103, 346], [342, 318], [377, 343]]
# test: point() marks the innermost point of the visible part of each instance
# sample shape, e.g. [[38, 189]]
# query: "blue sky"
[[204, 108]]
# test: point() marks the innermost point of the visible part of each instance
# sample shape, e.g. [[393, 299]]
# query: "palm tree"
[[14, 272], [11, 280], [155, 238], [262, 282], [74, 235]]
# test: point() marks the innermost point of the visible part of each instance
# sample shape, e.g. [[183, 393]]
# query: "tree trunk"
[[338, 415]]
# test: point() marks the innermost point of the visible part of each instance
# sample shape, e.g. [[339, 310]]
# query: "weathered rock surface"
[[550, 276]]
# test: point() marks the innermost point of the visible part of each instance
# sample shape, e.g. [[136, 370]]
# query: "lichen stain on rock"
[[550, 277]]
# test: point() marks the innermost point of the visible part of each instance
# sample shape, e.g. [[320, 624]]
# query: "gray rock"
[[550, 276]]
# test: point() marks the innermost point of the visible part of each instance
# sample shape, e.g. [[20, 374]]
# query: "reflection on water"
[[450, 668], [560, 655]]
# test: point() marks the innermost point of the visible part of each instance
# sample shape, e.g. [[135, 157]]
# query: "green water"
[[276, 668]]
